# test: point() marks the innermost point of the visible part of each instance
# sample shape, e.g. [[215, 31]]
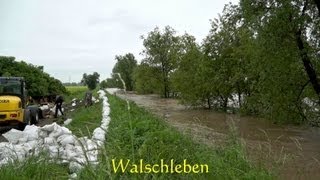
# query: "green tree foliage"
[[91, 80], [161, 52], [125, 66], [103, 84], [262, 54], [285, 42], [38, 83], [114, 82], [147, 79], [190, 78]]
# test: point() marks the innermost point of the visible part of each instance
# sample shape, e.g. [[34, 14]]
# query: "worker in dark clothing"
[[88, 99], [58, 103]]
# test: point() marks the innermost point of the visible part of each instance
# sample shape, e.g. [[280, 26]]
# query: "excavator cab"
[[13, 100]]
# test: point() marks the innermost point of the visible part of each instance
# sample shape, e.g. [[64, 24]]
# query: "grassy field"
[[75, 92], [73, 89]]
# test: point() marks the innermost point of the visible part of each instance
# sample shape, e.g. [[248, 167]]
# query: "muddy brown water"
[[293, 151]]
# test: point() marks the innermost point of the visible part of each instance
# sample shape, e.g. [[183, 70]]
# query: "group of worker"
[[59, 100], [58, 103]]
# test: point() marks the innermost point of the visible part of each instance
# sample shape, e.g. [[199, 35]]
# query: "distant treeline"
[[38, 82], [263, 54]]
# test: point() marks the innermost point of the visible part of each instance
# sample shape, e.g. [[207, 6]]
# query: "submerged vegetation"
[[262, 55]]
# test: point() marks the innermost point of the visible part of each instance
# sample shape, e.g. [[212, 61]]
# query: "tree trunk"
[[239, 95], [307, 64], [304, 55], [164, 80], [209, 104], [318, 5]]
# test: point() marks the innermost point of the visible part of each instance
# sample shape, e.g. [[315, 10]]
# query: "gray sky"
[[71, 37]]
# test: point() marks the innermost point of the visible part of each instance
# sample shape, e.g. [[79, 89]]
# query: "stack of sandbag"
[[58, 141]]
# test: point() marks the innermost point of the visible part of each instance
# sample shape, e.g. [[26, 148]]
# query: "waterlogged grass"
[[138, 135]]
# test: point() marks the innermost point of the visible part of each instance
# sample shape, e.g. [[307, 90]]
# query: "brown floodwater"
[[294, 151]]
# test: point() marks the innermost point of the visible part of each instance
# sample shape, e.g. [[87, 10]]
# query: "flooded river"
[[294, 151]]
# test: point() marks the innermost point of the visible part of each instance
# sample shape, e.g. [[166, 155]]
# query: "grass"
[[73, 89], [154, 140], [139, 135], [75, 92], [85, 120], [35, 168]]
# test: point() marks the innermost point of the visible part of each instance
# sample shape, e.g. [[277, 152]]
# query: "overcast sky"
[[71, 37]]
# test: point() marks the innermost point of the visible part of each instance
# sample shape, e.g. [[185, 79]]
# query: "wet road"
[[295, 151]]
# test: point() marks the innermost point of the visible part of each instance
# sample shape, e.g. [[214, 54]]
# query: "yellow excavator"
[[13, 103]]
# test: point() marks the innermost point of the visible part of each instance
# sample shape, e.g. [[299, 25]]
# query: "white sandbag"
[[73, 104], [30, 146], [43, 133], [65, 130], [31, 132], [22, 140], [66, 139], [58, 141], [73, 176], [53, 151], [81, 141], [59, 131], [98, 134], [44, 107], [92, 156], [53, 110], [67, 122], [50, 127], [13, 136], [49, 140], [71, 154], [74, 167]]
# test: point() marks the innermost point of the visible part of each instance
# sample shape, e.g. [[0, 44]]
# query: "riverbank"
[[292, 150], [137, 135]]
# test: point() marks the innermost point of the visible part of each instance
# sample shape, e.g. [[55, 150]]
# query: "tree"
[[91, 80], [286, 34], [147, 79], [161, 52], [38, 83], [103, 84], [190, 77], [125, 66]]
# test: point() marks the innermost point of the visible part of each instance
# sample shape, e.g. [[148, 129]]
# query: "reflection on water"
[[298, 148]]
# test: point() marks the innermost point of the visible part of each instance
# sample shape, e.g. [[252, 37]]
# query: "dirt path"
[[295, 151]]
